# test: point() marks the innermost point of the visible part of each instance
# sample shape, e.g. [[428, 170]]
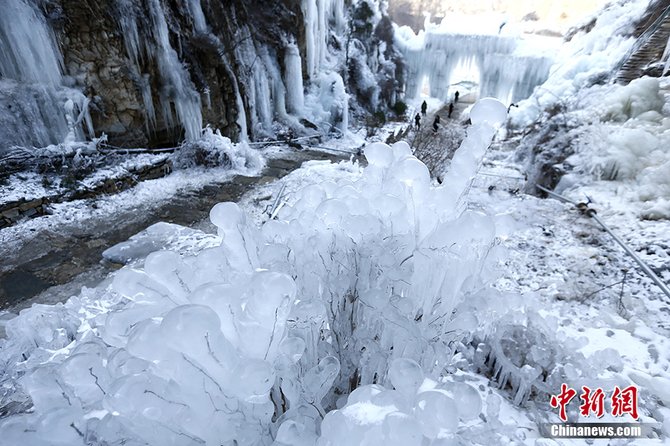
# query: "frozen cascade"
[[318, 14], [293, 78], [30, 82], [199, 21], [504, 74], [152, 43], [28, 51]]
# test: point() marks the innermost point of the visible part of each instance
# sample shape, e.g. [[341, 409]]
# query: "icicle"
[[666, 57], [293, 79], [199, 22], [176, 89], [241, 116], [309, 11]]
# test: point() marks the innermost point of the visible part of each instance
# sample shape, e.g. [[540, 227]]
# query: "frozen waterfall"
[[152, 43], [504, 72], [32, 97]]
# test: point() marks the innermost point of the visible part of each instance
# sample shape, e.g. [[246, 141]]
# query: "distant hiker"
[[456, 95], [451, 109], [424, 107], [436, 122], [417, 121]]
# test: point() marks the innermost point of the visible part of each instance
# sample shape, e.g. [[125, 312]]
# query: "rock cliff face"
[[155, 72], [153, 69]]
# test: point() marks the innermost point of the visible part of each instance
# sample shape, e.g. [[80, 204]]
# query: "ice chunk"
[[488, 110], [406, 375], [469, 403], [436, 413], [379, 154], [160, 236], [227, 217]]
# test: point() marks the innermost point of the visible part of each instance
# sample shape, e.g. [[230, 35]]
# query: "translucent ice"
[[489, 110]]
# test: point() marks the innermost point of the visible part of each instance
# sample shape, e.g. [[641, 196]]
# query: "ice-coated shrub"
[[352, 298]]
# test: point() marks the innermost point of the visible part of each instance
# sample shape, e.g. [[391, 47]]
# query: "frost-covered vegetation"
[[361, 288], [579, 127]]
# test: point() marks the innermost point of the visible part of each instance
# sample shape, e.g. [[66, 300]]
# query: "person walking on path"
[[451, 109], [417, 121], [456, 95], [435, 123], [424, 107]]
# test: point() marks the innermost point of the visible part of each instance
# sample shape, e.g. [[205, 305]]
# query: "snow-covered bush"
[[213, 149], [365, 281]]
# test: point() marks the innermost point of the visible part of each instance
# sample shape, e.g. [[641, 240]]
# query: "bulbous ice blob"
[[319, 378], [436, 412], [255, 378], [227, 216], [410, 170], [464, 321], [387, 205], [118, 324], [86, 375], [167, 268], [401, 149], [42, 386], [333, 212], [400, 429], [469, 403], [334, 428], [378, 154], [406, 375], [270, 292], [194, 331], [276, 230], [310, 196], [224, 299], [292, 433], [121, 362], [56, 427], [292, 347], [488, 110], [139, 287], [364, 394], [145, 341]]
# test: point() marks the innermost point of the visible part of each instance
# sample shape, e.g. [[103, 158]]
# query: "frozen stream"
[[51, 266]]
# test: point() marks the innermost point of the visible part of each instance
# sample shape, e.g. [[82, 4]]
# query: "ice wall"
[[504, 73], [32, 97]]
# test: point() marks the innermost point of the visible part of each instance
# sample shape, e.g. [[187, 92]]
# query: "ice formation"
[[41, 111], [260, 337], [152, 44], [506, 70], [267, 81]]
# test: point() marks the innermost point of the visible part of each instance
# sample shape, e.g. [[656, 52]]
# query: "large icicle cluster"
[[262, 336], [149, 42], [37, 108], [504, 72]]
